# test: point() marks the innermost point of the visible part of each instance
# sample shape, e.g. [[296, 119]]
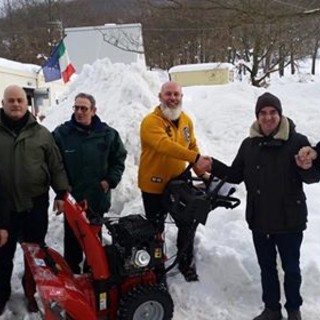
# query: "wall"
[[202, 74]]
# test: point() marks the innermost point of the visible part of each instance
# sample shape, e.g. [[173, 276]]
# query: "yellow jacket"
[[165, 149]]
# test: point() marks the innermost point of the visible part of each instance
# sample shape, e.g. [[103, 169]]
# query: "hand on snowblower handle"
[[58, 204]]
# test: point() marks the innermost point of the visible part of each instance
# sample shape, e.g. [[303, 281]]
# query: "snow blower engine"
[[135, 245]]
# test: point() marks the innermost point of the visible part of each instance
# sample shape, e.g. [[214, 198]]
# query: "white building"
[[30, 78], [119, 43], [202, 74]]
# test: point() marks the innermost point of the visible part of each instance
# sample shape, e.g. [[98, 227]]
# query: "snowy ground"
[[229, 286]]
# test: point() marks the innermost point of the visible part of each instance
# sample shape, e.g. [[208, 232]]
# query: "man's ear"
[[2, 102], [94, 110]]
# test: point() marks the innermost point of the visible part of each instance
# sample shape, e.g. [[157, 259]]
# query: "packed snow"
[[229, 286]]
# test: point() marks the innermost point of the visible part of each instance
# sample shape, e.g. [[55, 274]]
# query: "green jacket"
[[30, 163], [89, 157]]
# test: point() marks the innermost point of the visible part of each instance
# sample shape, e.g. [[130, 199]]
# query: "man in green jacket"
[[29, 165], [94, 157]]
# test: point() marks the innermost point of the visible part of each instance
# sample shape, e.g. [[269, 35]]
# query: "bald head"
[[14, 103], [171, 85], [14, 89]]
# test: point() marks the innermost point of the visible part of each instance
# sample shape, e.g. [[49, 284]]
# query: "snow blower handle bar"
[[226, 202], [94, 218], [222, 200], [217, 199]]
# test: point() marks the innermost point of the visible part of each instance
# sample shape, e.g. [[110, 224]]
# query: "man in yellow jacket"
[[167, 144]]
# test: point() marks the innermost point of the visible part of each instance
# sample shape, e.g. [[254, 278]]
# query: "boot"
[[268, 314], [3, 303], [294, 315], [2, 306], [32, 306], [4, 298], [189, 272], [29, 289]]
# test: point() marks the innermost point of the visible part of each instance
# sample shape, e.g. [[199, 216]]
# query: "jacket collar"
[[16, 127], [283, 133], [96, 125]]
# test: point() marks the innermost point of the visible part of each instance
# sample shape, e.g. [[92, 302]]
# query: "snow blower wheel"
[[147, 302]]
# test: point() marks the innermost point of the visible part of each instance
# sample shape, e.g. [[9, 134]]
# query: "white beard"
[[171, 113]]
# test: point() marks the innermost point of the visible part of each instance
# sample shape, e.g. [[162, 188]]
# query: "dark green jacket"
[[30, 163], [89, 157], [276, 202]]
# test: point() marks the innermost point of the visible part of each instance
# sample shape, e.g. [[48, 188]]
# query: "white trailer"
[[30, 78], [118, 42]]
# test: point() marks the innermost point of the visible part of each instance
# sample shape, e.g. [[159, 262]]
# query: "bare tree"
[[265, 36]]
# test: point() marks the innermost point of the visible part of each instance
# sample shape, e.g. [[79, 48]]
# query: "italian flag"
[[66, 68], [58, 65]]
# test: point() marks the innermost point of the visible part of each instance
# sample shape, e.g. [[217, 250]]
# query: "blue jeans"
[[288, 245]]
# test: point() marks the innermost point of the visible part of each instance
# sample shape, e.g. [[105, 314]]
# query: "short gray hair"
[[86, 96]]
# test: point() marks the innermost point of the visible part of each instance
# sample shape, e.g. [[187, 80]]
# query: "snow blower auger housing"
[[121, 283]]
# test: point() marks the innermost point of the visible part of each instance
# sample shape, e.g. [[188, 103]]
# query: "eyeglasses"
[[81, 108]]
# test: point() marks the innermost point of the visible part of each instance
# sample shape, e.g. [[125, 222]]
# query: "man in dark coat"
[[29, 165], [276, 209], [94, 158]]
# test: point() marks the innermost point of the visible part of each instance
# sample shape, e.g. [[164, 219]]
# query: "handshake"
[[305, 157], [304, 160], [203, 165]]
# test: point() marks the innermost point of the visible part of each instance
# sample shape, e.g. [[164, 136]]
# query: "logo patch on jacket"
[[156, 179], [186, 133]]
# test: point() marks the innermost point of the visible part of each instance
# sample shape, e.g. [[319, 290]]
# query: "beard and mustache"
[[171, 113]]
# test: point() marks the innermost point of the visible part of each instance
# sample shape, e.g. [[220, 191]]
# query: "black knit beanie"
[[268, 100]]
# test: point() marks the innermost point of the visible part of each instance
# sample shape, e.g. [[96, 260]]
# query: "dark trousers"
[[156, 214], [73, 252], [28, 226], [288, 245]]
